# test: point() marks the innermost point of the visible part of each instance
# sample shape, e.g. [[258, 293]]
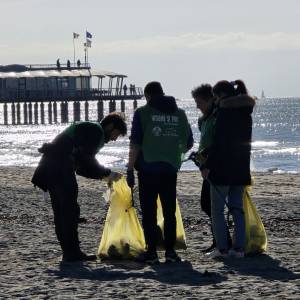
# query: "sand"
[[30, 265]]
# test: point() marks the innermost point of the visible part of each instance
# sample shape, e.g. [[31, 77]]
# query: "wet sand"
[[30, 265]]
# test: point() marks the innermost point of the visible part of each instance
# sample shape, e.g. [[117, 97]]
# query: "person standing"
[[160, 135], [204, 100], [228, 164], [73, 151]]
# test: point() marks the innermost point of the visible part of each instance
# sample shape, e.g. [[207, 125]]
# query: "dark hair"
[[118, 121], [229, 89], [204, 91], [153, 88]]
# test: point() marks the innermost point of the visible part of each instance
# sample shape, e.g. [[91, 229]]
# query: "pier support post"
[[30, 113], [110, 106], [25, 113], [122, 106], [50, 112], [18, 113], [55, 112], [67, 111], [76, 110], [100, 110], [36, 114], [5, 114], [86, 111], [134, 104], [13, 114], [42, 113]]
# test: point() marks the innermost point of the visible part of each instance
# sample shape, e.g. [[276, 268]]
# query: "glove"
[[130, 178], [113, 176]]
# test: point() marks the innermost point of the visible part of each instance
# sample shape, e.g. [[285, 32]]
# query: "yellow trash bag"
[[180, 234], [122, 236], [256, 237]]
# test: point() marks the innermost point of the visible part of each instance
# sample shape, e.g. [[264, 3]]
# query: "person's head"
[[202, 96], [225, 88], [113, 125], [153, 89]]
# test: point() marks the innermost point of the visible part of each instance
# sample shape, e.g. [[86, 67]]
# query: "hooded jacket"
[[164, 104], [229, 155]]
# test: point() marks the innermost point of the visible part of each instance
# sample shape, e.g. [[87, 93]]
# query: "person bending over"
[[73, 152]]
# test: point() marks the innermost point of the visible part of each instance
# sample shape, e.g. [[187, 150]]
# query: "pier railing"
[[55, 66], [19, 95]]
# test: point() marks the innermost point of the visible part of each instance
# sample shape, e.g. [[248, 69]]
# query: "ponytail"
[[240, 88]]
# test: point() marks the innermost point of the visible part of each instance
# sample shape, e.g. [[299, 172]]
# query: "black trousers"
[[63, 194], [150, 186], [205, 198]]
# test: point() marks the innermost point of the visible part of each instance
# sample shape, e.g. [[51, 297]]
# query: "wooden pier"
[[29, 92]]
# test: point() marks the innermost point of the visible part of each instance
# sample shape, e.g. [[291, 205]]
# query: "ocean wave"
[[288, 150], [258, 144]]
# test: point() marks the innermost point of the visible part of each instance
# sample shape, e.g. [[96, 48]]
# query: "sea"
[[275, 142]]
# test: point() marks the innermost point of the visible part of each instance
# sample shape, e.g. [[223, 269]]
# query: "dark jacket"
[[66, 155], [164, 104], [229, 155]]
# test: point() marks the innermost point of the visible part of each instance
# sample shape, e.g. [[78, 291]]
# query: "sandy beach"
[[30, 265]]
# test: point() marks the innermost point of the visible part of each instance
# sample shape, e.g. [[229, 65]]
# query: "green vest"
[[207, 129], [165, 135], [70, 131]]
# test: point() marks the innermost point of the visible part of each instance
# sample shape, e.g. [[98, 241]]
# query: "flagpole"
[[73, 49], [86, 44]]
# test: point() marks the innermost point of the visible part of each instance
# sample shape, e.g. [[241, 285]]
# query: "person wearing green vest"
[[204, 100], [73, 151], [160, 135]]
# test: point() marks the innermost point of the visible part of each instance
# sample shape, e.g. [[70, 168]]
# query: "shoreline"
[[30, 256]]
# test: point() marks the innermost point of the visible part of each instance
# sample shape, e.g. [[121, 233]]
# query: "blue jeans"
[[234, 197]]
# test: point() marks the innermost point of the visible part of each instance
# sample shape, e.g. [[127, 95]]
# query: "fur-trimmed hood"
[[242, 101]]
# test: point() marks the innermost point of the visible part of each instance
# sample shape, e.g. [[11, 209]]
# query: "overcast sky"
[[181, 43]]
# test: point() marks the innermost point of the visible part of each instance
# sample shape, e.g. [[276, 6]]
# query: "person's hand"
[[204, 173], [130, 178], [113, 176]]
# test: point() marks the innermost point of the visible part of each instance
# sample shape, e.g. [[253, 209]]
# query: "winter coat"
[[229, 155], [66, 155]]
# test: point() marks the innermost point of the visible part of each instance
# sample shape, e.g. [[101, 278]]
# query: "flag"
[[88, 35], [75, 35], [88, 43]]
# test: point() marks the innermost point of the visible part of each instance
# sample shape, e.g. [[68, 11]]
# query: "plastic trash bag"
[[122, 236], [180, 234], [256, 237]]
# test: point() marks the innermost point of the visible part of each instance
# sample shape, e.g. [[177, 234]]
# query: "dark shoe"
[[151, 258], [79, 257], [172, 256], [209, 249]]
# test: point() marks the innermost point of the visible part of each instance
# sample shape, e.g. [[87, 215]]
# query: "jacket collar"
[[237, 102]]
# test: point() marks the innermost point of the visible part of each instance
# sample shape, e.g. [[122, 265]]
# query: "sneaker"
[[151, 258], [237, 253], [216, 253], [172, 256]]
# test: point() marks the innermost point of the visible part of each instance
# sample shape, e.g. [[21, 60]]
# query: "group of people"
[[160, 137]]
